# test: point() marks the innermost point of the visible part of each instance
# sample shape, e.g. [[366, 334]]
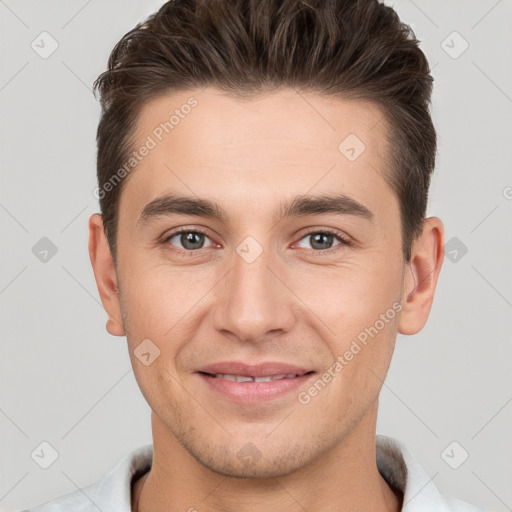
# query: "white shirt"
[[395, 462]]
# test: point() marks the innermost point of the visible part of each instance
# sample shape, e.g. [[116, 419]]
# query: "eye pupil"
[[192, 240], [320, 240]]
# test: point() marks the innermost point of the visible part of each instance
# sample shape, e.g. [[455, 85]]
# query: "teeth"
[[263, 379], [244, 378]]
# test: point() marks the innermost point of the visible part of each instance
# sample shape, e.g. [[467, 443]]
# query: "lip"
[[253, 392], [264, 369]]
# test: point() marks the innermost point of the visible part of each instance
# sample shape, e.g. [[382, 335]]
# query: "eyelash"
[[342, 239], [336, 234], [179, 232]]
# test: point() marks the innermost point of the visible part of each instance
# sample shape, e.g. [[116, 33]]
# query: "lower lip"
[[251, 392]]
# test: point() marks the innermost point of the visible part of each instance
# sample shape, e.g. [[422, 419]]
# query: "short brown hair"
[[347, 48]]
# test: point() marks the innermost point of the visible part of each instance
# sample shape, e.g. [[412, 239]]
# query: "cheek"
[[352, 296], [159, 385], [164, 309], [158, 298], [359, 309]]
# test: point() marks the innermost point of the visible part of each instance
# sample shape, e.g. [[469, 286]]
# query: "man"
[[263, 172]]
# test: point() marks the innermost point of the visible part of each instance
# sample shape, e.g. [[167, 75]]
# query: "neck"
[[344, 478]]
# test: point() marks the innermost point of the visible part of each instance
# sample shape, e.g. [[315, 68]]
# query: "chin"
[[252, 462]]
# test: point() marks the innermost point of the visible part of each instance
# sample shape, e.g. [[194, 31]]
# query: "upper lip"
[[265, 369]]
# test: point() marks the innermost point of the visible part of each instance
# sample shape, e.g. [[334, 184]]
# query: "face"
[[270, 306]]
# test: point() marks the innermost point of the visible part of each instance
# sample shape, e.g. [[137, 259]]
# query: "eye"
[[322, 240], [188, 239]]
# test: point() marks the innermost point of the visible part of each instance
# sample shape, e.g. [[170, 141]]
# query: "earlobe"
[[115, 328], [105, 275], [421, 277]]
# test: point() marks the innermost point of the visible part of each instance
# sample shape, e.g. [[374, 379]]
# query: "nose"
[[255, 301]]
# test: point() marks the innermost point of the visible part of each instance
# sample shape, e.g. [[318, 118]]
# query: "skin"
[[295, 303]]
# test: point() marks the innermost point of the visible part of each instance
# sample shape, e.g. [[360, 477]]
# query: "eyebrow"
[[302, 205]]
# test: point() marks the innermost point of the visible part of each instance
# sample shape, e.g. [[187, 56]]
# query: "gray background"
[[65, 381]]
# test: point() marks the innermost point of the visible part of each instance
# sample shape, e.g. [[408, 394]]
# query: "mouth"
[[253, 378], [242, 383]]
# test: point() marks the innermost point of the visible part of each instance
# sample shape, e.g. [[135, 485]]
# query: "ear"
[[105, 275], [421, 274]]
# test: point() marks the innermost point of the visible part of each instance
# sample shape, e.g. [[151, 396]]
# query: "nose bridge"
[[253, 300]]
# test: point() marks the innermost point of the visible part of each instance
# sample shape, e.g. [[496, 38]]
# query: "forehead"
[[207, 143]]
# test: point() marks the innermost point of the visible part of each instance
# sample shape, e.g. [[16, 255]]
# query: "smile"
[[252, 384], [250, 378]]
